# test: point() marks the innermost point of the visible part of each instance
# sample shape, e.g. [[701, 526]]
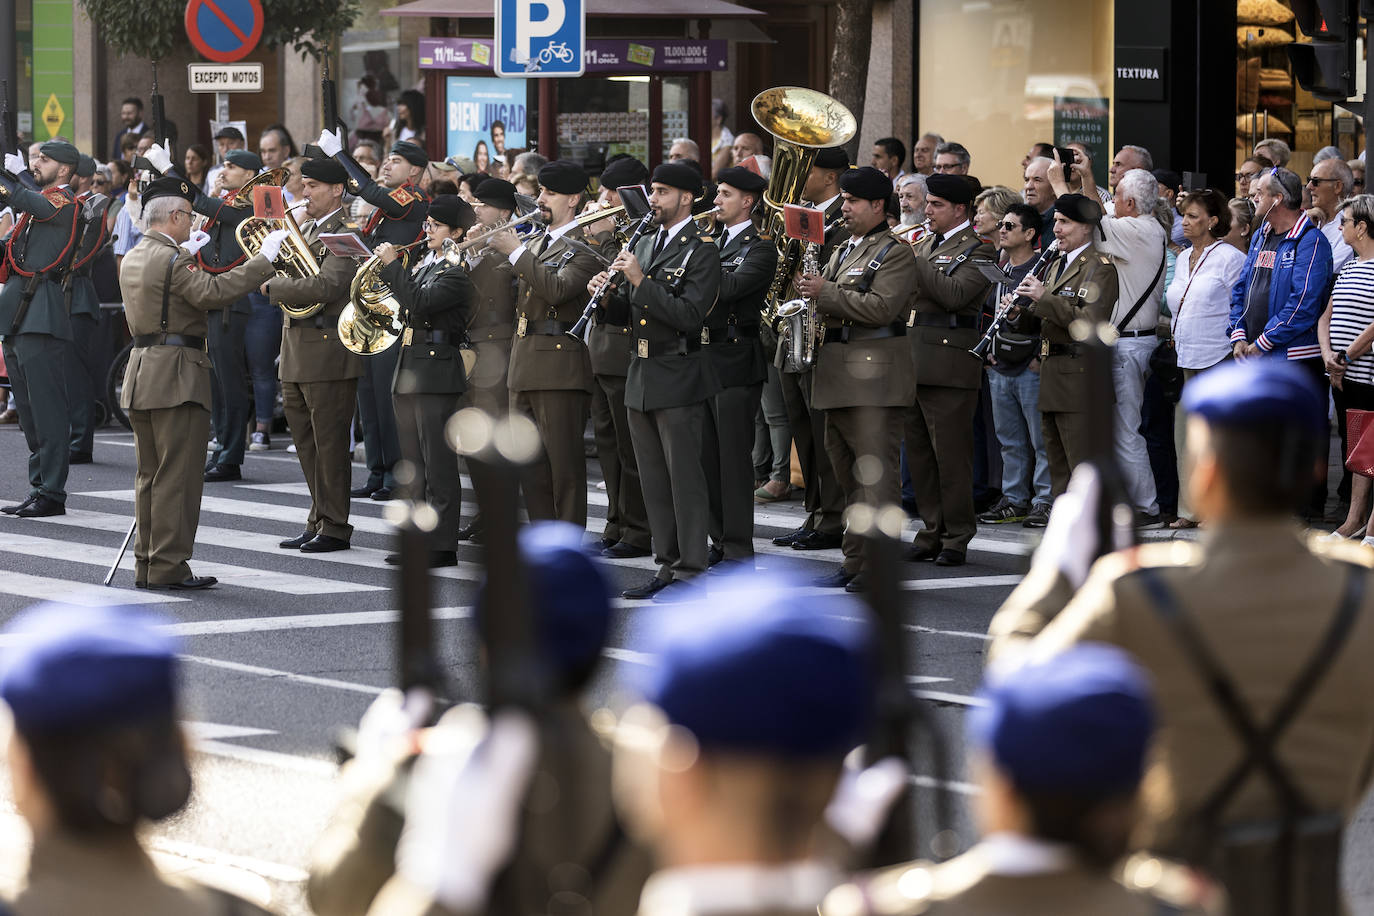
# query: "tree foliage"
[[153, 29]]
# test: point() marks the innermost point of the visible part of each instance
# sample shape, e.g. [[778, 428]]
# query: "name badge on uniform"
[[642, 348], [944, 258], [521, 325], [406, 337], [854, 272]]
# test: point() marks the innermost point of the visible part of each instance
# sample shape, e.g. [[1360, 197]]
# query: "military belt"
[[646, 349], [941, 320], [1143, 332], [850, 333], [433, 336], [492, 332], [731, 333], [546, 328], [169, 340]]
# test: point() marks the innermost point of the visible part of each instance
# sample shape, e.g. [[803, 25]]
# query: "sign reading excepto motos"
[[1139, 74], [224, 77]]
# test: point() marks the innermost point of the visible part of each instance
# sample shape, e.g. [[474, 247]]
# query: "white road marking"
[[46, 589], [275, 674], [248, 509], [213, 731], [311, 766]]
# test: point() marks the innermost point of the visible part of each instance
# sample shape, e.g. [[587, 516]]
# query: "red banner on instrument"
[[804, 223], [268, 202]]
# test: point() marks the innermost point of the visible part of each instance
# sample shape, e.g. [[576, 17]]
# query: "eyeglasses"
[[185, 213], [947, 167], [1315, 181], [1243, 176], [1008, 226]]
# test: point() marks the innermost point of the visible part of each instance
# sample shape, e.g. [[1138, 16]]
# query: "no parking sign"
[[224, 30]]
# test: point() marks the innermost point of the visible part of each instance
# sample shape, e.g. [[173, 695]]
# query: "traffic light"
[[1325, 67]]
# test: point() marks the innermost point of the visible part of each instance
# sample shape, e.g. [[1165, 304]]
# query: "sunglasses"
[[1315, 181], [1008, 226]]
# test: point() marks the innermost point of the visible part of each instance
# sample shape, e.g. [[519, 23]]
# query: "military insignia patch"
[[402, 196]]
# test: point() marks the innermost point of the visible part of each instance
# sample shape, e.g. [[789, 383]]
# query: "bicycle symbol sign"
[[540, 38]]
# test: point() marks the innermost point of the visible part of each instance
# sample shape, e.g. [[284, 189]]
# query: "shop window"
[[599, 117]]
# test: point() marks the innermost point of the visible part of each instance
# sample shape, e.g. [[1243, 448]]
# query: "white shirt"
[[825, 204], [552, 234], [736, 229], [1200, 319], [706, 889], [1340, 251], [1069, 258], [675, 229], [951, 233], [1136, 246]]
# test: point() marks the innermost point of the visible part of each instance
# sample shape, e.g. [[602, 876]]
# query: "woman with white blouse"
[[1345, 333], [1199, 299]]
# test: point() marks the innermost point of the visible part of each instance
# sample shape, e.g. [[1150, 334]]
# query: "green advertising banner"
[[53, 101]]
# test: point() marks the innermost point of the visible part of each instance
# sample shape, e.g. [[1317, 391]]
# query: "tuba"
[[295, 259]]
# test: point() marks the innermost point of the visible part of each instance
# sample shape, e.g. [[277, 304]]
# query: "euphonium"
[[370, 322], [295, 259], [803, 332]]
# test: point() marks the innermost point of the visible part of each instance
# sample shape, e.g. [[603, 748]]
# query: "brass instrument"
[[277, 177], [294, 260], [481, 237], [706, 221], [802, 122], [369, 323], [803, 330]]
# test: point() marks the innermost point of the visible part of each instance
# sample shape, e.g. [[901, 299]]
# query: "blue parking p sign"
[[540, 37]]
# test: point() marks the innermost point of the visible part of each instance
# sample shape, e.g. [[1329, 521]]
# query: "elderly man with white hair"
[[911, 195], [1135, 241]]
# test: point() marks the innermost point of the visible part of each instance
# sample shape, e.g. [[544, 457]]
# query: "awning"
[[621, 9]]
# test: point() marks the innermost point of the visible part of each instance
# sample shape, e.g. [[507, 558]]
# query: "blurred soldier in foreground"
[[96, 754], [1060, 755], [461, 829], [1258, 642]]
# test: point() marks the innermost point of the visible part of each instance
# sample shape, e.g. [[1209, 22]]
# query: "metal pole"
[[109, 576], [9, 56]]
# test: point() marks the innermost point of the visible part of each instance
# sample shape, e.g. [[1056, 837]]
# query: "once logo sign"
[[224, 30]]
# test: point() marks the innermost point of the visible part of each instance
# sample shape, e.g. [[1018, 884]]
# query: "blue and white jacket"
[[1298, 285]]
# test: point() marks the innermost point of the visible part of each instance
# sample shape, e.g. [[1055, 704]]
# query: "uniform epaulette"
[[1175, 885], [1343, 550], [1104, 259], [351, 225], [56, 197], [403, 197]]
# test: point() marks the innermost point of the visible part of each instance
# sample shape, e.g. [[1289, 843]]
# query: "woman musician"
[[435, 303]]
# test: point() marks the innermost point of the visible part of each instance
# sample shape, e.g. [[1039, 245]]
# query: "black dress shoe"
[[606, 543], [857, 585], [714, 556], [14, 510], [949, 557], [323, 543], [817, 540], [922, 554], [81, 458], [190, 583], [382, 494], [787, 540], [471, 530], [838, 579], [648, 589], [364, 491], [297, 542], [679, 590], [42, 507], [140, 583], [223, 472], [621, 551]]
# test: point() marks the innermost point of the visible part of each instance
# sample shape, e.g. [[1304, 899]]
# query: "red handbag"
[[1359, 442]]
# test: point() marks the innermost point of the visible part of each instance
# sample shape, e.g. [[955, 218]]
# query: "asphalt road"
[[289, 648]]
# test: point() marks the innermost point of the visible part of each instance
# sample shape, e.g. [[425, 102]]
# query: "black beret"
[[866, 183], [1168, 177], [228, 133], [170, 186], [244, 159], [623, 170], [678, 175], [85, 166], [453, 211], [410, 152], [739, 177], [956, 189], [61, 151], [563, 177], [326, 170], [832, 157], [1078, 208], [496, 192]]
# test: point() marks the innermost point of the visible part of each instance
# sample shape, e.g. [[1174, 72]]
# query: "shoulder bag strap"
[[949, 268], [167, 288], [871, 268], [1163, 259]]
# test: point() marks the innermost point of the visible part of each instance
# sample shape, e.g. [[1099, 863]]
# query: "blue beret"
[[758, 669], [571, 598], [80, 668], [1257, 392], [244, 159], [1078, 723]]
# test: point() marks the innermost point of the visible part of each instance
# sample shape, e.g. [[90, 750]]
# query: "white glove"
[[864, 796], [385, 729], [14, 163], [1070, 542], [329, 142], [271, 244], [197, 241], [463, 805], [159, 157]]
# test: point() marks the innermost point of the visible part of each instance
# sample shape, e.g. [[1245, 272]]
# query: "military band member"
[[36, 328], [319, 377], [670, 282], [1082, 284], [167, 382], [824, 500], [610, 343], [864, 378], [939, 426], [398, 219], [550, 376], [84, 306], [436, 299], [731, 343]]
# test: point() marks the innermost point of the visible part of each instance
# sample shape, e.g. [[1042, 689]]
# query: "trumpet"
[[706, 220], [481, 237], [1038, 270]]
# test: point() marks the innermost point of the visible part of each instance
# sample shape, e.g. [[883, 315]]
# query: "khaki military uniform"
[[550, 376], [114, 877], [490, 329], [970, 885], [939, 426], [864, 377], [824, 498], [1087, 288], [167, 393], [319, 381], [739, 889], [1262, 599]]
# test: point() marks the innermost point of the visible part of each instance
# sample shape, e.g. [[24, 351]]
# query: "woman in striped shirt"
[[1345, 333]]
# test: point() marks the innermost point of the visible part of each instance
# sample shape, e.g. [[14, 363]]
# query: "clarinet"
[[575, 332], [1038, 271]]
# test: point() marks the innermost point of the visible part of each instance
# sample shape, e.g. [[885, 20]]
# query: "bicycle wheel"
[[114, 385]]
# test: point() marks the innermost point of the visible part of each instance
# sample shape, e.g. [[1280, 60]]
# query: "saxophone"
[[803, 331]]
